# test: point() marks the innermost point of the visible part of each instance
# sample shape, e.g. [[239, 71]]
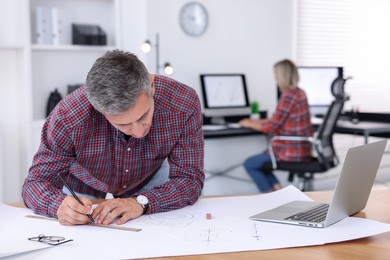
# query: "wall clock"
[[193, 19]]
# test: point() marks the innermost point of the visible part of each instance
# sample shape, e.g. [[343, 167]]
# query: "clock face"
[[193, 19]]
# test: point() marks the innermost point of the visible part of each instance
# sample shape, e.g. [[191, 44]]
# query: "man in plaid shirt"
[[112, 136]]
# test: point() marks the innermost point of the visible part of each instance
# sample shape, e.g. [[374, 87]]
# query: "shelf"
[[11, 47], [75, 48]]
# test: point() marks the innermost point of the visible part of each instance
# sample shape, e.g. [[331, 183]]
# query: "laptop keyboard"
[[315, 214]]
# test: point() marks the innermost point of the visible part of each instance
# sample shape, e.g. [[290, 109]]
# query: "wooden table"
[[376, 247]]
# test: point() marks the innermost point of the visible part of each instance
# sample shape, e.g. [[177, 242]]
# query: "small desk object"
[[225, 133]]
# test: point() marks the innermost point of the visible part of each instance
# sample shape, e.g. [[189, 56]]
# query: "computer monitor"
[[316, 82], [224, 95]]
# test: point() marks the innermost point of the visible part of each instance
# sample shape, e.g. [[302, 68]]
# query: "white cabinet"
[[13, 38], [30, 71]]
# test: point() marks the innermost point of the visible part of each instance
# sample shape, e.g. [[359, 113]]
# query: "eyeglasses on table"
[[50, 240]]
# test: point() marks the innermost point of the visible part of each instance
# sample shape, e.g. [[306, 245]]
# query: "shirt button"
[[128, 149], [124, 186], [126, 170]]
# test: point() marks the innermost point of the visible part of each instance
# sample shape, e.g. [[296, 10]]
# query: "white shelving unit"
[[72, 48], [13, 41], [30, 71]]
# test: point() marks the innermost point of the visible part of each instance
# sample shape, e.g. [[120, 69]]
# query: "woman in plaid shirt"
[[292, 118]]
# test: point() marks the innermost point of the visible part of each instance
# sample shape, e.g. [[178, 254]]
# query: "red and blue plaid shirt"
[[95, 158], [291, 118]]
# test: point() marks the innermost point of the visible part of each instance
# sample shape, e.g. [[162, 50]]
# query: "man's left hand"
[[124, 209]]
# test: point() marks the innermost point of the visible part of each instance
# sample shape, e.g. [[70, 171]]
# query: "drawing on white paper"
[[167, 219], [256, 232], [208, 235]]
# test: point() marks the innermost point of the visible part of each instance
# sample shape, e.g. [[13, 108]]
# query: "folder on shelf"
[[61, 26], [43, 25]]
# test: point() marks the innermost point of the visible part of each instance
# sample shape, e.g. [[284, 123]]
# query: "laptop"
[[350, 195]]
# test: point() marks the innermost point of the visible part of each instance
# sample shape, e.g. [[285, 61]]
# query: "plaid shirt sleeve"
[[291, 118], [279, 118], [42, 190]]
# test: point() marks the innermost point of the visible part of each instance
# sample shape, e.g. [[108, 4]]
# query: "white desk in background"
[[365, 128], [229, 130], [226, 148]]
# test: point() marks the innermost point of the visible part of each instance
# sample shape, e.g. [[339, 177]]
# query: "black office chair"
[[324, 156]]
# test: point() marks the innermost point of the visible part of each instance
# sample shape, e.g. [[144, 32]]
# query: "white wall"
[[246, 36], [11, 161], [13, 103], [133, 31], [1, 169]]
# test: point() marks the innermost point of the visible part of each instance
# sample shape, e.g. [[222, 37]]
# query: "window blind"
[[353, 34]]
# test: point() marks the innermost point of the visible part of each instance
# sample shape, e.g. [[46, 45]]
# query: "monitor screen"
[[316, 82], [224, 94]]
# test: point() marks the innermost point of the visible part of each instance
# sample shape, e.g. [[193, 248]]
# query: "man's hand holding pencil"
[[71, 212]]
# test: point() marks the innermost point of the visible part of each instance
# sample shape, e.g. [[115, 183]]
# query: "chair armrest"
[[310, 139]]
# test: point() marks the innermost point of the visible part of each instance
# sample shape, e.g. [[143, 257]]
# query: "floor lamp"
[[147, 47]]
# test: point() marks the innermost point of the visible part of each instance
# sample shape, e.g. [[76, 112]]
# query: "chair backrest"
[[337, 88], [324, 135]]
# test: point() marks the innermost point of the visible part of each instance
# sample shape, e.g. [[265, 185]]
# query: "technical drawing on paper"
[[166, 219], [256, 231], [211, 234], [208, 235], [219, 235]]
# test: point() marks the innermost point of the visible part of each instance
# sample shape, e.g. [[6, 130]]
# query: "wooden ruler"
[[90, 224]]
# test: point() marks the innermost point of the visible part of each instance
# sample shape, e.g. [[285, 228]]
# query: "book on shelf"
[[53, 26], [61, 26], [43, 24]]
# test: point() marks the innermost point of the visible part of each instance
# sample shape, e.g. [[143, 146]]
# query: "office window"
[[353, 34]]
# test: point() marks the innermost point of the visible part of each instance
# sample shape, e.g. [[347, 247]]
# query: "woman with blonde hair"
[[292, 118]]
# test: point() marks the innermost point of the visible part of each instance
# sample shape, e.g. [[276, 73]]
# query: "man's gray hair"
[[116, 81]]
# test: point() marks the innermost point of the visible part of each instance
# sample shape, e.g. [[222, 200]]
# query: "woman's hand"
[[254, 124], [246, 122]]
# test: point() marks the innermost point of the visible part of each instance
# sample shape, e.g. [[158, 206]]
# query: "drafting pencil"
[[75, 196]]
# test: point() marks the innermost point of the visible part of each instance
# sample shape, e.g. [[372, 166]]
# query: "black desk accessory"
[[85, 34], [54, 98], [73, 87]]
